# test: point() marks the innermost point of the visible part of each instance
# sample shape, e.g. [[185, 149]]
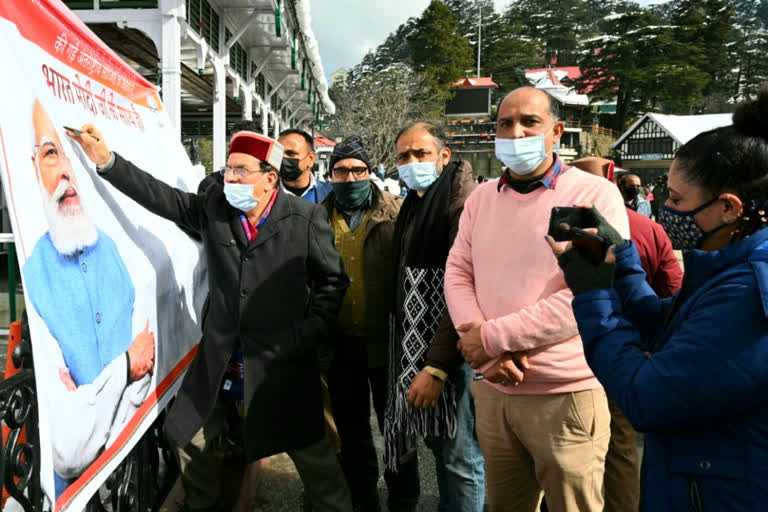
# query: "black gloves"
[[605, 230], [581, 275]]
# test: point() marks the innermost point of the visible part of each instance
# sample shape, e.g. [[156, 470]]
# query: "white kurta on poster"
[[100, 273]]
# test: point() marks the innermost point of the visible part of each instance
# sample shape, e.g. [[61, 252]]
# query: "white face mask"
[[240, 195], [522, 156]]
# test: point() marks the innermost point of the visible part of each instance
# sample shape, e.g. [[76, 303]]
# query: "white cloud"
[[347, 29]]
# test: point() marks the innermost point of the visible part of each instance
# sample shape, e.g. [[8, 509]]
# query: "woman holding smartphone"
[[691, 371]]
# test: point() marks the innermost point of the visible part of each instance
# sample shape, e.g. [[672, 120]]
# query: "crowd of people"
[[524, 365]]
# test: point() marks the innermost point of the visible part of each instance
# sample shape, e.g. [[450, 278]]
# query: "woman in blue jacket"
[[692, 371]]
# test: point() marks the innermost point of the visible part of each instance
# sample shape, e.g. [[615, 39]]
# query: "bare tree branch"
[[377, 105]]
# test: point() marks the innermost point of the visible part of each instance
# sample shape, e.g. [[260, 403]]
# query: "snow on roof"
[[548, 79], [483, 81], [572, 72], [681, 128], [568, 96], [310, 45], [567, 73]]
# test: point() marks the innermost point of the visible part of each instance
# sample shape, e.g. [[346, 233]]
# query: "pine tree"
[[703, 27], [507, 54], [468, 12], [476, 18], [556, 25], [639, 62], [395, 49], [750, 10], [749, 47], [438, 48]]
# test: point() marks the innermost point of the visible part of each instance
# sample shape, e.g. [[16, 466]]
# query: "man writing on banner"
[[100, 370], [266, 250]]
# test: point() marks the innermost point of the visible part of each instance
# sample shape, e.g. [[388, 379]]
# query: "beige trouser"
[[330, 423], [555, 443], [317, 465], [622, 469]]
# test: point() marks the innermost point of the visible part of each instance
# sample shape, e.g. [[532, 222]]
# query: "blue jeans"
[[459, 461]]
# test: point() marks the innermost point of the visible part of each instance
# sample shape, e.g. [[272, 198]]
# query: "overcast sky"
[[347, 29]]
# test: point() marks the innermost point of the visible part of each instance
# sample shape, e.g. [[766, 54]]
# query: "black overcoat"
[[277, 296]]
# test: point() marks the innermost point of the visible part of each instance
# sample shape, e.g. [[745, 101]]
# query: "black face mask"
[[631, 194], [289, 169]]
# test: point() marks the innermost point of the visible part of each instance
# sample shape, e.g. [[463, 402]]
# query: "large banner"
[[111, 290]]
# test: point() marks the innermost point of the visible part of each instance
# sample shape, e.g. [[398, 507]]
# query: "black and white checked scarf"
[[423, 307]]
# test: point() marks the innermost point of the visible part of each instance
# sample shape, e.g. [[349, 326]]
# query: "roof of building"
[[572, 72], [680, 128], [567, 73], [304, 18], [483, 81], [321, 141], [549, 79]]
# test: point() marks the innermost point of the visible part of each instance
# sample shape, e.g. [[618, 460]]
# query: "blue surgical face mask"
[[522, 156], [240, 195], [418, 175]]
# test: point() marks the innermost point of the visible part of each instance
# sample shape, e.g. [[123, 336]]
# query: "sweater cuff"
[[436, 372], [485, 337], [103, 169]]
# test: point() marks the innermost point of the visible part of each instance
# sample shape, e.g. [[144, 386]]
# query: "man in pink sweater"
[[547, 427]]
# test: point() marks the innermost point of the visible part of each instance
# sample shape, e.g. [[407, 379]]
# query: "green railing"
[[204, 20]]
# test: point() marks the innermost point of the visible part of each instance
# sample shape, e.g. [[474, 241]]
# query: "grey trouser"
[[316, 464]]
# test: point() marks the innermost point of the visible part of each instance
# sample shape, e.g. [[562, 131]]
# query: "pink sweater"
[[502, 272]]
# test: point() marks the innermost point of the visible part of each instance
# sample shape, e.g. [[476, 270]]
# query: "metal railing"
[[136, 485], [7, 238]]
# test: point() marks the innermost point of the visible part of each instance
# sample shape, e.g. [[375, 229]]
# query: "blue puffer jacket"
[[701, 394]]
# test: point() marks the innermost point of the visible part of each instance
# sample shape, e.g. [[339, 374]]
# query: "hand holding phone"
[[563, 218], [592, 247]]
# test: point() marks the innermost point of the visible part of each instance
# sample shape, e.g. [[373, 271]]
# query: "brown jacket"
[[443, 353], [377, 269]]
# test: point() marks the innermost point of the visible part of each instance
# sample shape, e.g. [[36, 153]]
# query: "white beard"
[[71, 228]]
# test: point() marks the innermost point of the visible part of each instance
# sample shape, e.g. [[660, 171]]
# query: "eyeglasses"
[[342, 172], [241, 172]]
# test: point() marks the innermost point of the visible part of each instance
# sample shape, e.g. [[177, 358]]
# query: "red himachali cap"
[[258, 146]]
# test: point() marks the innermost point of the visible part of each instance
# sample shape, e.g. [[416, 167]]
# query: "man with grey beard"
[[77, 283]]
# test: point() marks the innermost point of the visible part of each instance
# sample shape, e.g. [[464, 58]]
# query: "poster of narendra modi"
[[113, 293]]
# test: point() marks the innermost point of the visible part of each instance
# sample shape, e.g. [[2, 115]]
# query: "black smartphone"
[[592, 247], [563, 218]]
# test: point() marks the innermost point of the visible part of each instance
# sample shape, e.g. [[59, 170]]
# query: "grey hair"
[[433, 129]]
